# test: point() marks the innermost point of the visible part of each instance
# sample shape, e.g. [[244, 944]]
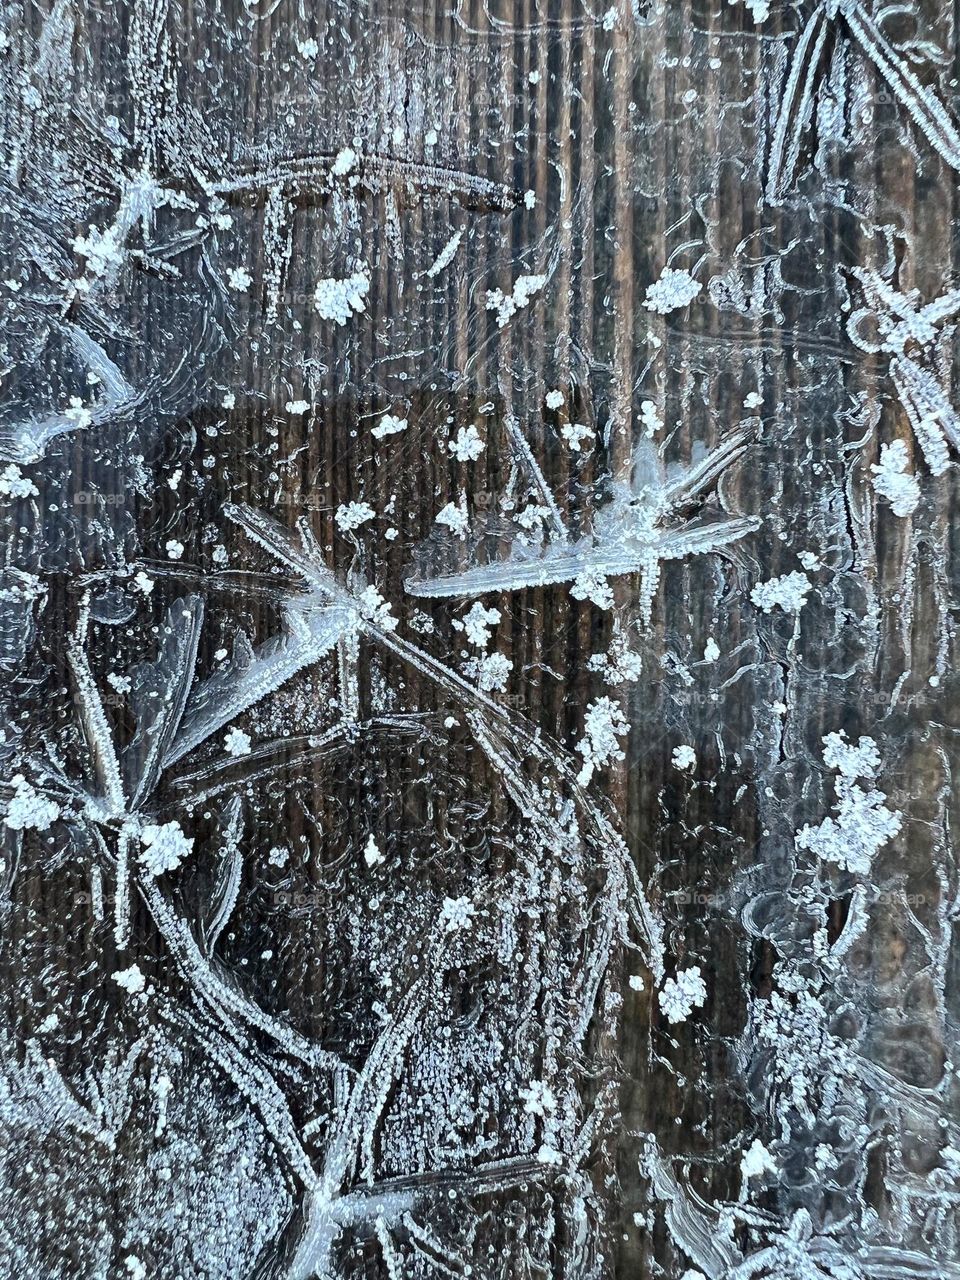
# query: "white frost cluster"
[[863, 824], [373, 855], [592, 585], [674, 289], [14, 484], [457, 914], [757, 1161], [604, 725], [493, 672], [788, 592], [28, 809], [684, 757], [236, 743], [239, 279], [390, 425], [468, 445], [132, 980], [375, 609], [681, 995], [538, 1099], [477, 624], [164, 847], [893, 480], [577, 435], [455, 518], [336, 300], [351, 515], [507, 305]]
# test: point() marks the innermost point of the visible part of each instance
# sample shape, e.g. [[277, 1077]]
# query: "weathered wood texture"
[[417, 884]]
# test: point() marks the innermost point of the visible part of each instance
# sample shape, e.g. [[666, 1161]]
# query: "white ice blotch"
[[308, 48], [477, 623], [863, 825], [468, 445], [337, 300], [553, 399], [352, 515], [788, 592], [681, 995], [604, 725], [636, 982], [297, 407], [650, 419], [133, 982], [711, 650], [164, 847], [143, 582], [174, 549], [14, 484], [345, 162], [445, 256], [507, 305], [578, 436], [893, 480], [390, 425], [27, 809], [757, 1161], [493, 672], [684, 757], [373, 855], [455, 519], [457, 914], [239, 279], [376, 609], [236, 743], [591, 584], [674, 289], [538, 1099]]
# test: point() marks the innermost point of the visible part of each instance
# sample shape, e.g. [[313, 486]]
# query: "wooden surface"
[[597, 150]]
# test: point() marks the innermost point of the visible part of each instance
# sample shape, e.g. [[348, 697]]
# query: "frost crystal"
[[757, 1161], [457, 914], [591, 584], [164, 847], [863, 825], [375, 609], [538, 1099], [577, 435], [894, 481], [236, 743], [477, 624], [132, 980], [239, 279], [684, 757], [389, 425], [337, 300], [604, 725], [507, 305], [680, 996], [493, 672], [373, 856], [352, 515], [788, 593], [28, 809], [14, 484], [468, 445], [455, 518], [674, 289]]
